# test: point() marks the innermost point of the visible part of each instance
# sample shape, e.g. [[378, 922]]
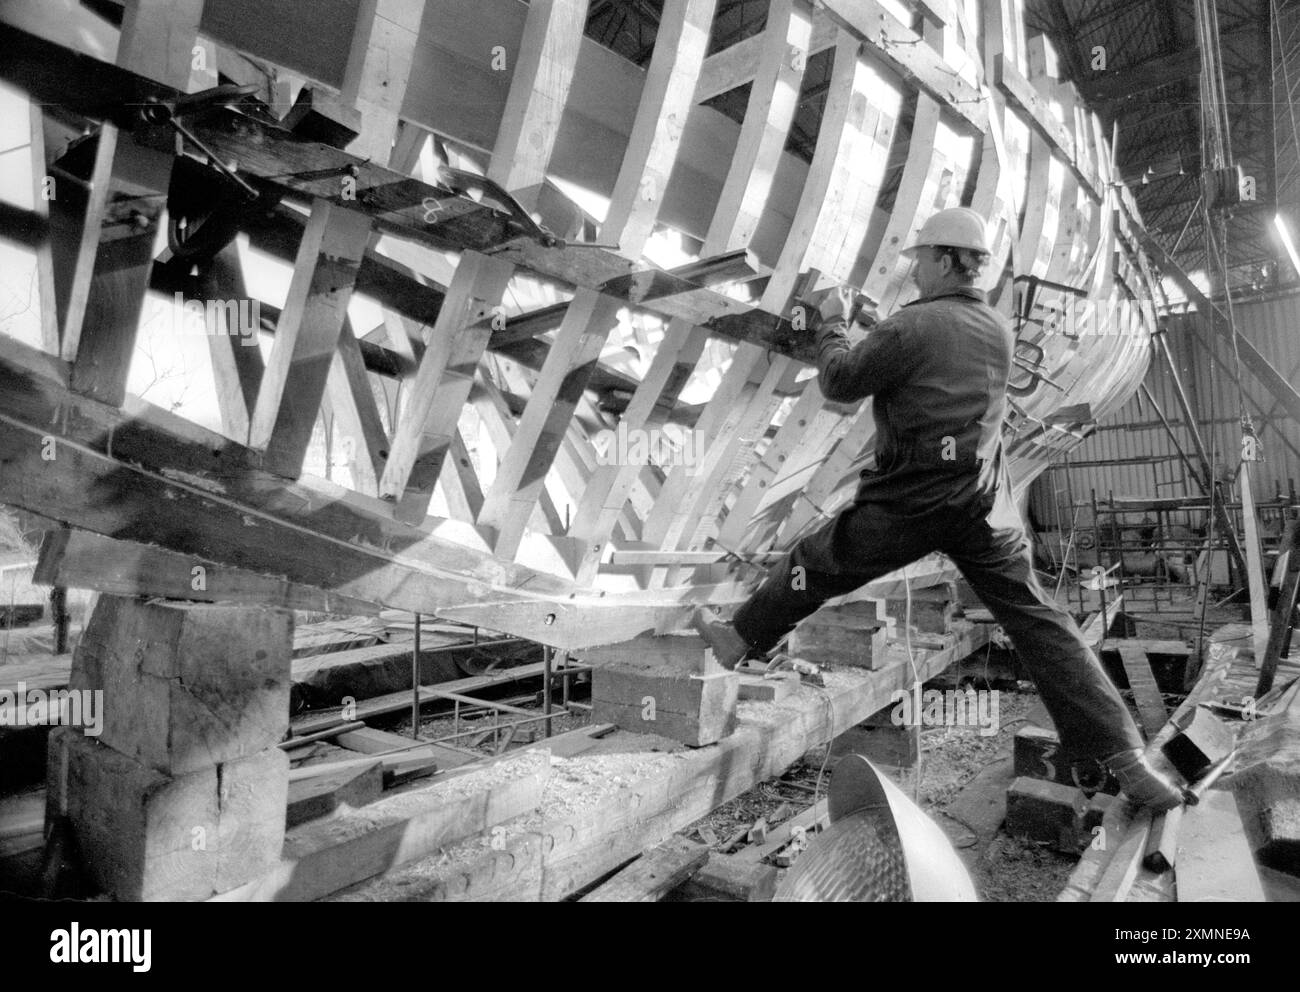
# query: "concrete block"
[[694, 709], [187, 685], [1053, 814], [146, 836]]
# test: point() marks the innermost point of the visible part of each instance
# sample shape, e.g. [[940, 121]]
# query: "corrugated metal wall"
[[1131, 454]]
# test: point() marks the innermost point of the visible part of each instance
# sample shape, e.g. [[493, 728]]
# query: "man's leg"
[[1089, 714], [862, 543]]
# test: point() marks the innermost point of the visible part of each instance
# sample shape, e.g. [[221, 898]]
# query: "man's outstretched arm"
[[847, 374]]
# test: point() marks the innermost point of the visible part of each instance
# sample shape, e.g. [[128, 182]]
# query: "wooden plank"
[[638, 192], [307, 335], [1020, 92], [928, 179], [1150, 704], [320, 858], [46, 292], [155, 41], [356, 418], [1215, 863], [82, 560], [1122, 871], [768, 117], [830, 183], [320, 795], [310, 328], [237, 367], [738, 64], [539, 88], [220, 527], [495, 414], [814, 818], [653, 875], [442, 384], [1255, 581], [904, 51], [284, 162], [1280, 623]]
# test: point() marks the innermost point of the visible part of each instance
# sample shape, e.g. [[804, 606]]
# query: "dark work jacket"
[[937, 372]]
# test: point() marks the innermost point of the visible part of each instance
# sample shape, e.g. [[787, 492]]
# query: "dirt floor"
[[1003, 868]]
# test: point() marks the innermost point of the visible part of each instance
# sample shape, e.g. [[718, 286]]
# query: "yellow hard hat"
[[956, 227]]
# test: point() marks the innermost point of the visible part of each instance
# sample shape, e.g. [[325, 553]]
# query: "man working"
[[937, 373]]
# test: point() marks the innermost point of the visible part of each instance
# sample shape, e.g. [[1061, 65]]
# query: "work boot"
[[1141, 783], [729, 648]]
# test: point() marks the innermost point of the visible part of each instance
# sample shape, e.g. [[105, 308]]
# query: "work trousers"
[[867, 541]]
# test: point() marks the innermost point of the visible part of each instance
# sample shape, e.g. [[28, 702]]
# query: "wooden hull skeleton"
[[627, 444]]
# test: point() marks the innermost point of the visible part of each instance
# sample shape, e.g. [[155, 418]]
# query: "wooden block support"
[[682, 652], [728, 879], [187, 686], [694, 709], [932, 608], [144, 835], [1202, 740], [850, 634], [883, 745], [1054, 814]]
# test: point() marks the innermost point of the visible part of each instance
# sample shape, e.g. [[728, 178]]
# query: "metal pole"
[[547, 653], [415, 681], [1119, 527], [1187, 462], [1100, 573]]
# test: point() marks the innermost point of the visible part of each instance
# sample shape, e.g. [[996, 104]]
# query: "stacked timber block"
[[1202, 740], [880, 740], [851, 634], [669, 685], [182, 795], [1037, 754], [1054, 814], [933, 608]]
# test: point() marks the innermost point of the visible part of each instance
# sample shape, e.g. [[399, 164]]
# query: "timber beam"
[[551, 858], [283, 164]]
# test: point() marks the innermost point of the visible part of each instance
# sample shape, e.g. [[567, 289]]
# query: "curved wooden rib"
[[777, 458]]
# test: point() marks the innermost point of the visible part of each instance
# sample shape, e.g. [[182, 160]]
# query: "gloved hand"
[[836, 303]]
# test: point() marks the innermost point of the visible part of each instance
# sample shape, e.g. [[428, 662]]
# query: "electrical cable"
[[916, 677]]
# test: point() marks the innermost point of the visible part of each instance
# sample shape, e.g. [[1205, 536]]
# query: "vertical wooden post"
[[108, 279]]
